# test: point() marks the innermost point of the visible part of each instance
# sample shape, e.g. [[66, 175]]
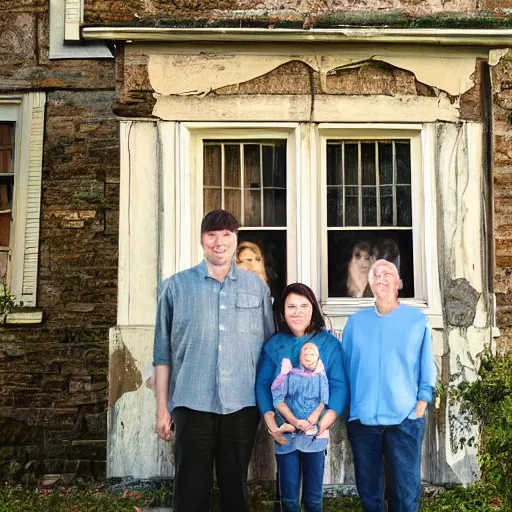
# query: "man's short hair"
[[382, 263], [218, 220]]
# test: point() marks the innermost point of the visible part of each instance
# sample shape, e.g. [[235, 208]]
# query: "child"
[[299, 396]]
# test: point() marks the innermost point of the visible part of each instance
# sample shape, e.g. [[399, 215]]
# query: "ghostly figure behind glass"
[[249, 257], [357, 271]]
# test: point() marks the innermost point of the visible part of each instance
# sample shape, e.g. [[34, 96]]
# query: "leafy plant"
[[7, 299], [489, 399]]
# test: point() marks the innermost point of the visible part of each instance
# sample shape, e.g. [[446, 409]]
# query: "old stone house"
[[321, 125]]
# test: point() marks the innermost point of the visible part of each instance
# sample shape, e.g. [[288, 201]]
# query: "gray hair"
[[384, 263]]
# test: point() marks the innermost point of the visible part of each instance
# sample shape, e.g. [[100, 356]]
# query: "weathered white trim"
[[138, 223], [64, 26], [426, 282], [297, 108], [73, 17], [493, 38], [24, 317], [28, 159]]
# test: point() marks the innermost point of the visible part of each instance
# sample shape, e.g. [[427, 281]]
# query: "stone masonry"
[[53, 376]]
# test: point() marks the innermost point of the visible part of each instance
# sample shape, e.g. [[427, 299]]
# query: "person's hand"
[[278, 434], [163, 424], [421, 407], [327, 420], [302, 425]]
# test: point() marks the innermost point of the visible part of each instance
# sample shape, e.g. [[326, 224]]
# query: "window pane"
[[252, 207], [212, 165], [403, 206], [403, 163], [369, 206], [335, 207], [386, 163], [334, 176], [212, 199], [280, 165], [232, 165], [273, 247], [368, 163], [267, 158], [351, 206], [348, 260], [274, 207], [252, 177], [233, 202], [268, 166], [6, 147], [5, 210], [351, 163], [386, 206], [4, 261]]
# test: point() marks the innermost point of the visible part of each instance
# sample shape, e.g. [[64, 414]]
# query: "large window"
[[369, 213], [21, 152], [248, 178], [320, 201]]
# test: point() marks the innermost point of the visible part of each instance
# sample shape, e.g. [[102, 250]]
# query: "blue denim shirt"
[[211, 334]]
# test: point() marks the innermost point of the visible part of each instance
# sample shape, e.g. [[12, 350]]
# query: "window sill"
[[27, 316]]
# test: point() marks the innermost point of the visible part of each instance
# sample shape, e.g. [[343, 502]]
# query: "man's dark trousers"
[[202, 438]]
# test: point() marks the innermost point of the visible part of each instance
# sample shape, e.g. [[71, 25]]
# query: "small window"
[[248, 179], [6, 195], [369, 213]]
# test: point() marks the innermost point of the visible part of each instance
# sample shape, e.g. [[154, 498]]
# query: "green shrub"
[[489, 399]]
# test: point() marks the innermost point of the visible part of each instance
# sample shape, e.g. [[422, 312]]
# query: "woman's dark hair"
[[317, 319]]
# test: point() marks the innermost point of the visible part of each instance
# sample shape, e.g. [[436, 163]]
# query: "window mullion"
[[377, 183], [359, 184], [343, 195], [394, 185], [262, 204], [222, 173], [242, 184]]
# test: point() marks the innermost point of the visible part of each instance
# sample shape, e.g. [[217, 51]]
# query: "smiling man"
[[212, 322], [387, 353]]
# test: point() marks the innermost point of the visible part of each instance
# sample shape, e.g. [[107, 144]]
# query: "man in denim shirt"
[[212, 322]]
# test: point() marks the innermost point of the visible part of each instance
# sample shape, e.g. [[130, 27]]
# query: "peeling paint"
[[124, 376], [198, 73], [460, 303]]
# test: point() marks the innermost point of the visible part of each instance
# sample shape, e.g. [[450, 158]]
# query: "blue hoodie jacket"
[[389, 364]]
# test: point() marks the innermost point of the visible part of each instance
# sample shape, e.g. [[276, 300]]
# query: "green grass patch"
[[94, 497]]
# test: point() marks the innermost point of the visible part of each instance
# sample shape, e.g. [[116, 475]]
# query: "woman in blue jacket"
[[387, 353], [301, 455]]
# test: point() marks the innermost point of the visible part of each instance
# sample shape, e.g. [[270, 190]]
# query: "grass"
[[94, 497]]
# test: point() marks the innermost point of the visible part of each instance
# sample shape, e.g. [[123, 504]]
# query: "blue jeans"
[[290, 468], [390, 454]]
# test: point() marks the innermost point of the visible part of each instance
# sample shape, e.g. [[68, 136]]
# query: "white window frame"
[[182, 180], [66, 18], [423, 198], [182, 249], [27, 112]]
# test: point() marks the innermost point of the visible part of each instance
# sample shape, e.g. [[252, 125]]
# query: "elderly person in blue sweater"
[[387, 354], [302, 455]]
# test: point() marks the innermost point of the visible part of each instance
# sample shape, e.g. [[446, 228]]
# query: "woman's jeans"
[[290, 468], [389, 454]]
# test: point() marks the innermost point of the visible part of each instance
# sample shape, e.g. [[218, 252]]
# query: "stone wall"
[[288, 13], [53, 376], [502, 109]]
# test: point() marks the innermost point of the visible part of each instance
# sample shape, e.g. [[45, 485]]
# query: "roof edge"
[[492, 38]]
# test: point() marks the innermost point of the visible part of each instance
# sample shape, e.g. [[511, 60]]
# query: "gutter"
[[491, 38]]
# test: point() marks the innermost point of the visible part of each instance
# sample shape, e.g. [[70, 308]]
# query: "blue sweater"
[[283, 345], [389, 364]]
